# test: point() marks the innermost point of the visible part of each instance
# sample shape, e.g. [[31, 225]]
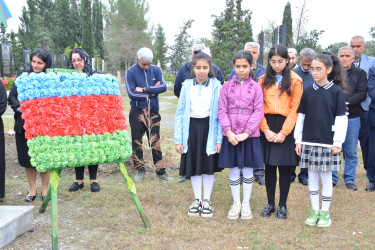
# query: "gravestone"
[[26, 59], [14, 221], [54, 61], [63, 61], [5, 62]]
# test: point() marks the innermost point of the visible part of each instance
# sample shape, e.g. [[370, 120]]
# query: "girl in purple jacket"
[[240, 113]]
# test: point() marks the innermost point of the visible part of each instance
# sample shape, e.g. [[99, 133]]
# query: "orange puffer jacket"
[[282, 104]]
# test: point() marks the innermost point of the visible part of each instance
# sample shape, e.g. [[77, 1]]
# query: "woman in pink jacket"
[[240, 113]]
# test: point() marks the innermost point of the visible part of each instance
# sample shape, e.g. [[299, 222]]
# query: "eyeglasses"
[[79, 60], [279, 62], [317, 70]]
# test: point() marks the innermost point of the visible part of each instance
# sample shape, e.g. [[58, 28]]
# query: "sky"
[[340, 20]]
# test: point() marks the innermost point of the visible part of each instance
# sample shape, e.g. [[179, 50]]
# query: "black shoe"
[[282, 212], [292, 180], [268, 210], [75, 187], [304, 181], [30, 198], [334, 184], [182, 179], [352, 186], [95, 187], [370, 187], [260, 180]]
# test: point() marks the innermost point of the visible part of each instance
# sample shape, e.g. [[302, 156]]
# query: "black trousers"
[[2, 160], [93, 170], [303, 174], [138, 127], [284, 183]]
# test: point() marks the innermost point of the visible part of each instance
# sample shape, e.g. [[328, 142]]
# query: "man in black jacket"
[[185, 71], [357, 92]]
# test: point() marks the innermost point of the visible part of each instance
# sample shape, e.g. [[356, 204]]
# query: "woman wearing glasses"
[[282, 91], [40, 60], [80, 60]]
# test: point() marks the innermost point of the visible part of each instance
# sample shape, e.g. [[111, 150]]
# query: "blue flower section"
[[42, 85]]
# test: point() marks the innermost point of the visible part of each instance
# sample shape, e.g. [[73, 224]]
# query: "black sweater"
[[357, 81]]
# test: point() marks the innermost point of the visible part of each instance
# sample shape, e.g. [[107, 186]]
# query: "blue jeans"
[[349, 149]]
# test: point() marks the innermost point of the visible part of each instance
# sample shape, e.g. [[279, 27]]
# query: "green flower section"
[[58, 152]]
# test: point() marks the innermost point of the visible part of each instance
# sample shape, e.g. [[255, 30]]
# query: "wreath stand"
[[54, 179]]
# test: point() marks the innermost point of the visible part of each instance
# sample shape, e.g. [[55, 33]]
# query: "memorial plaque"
[[6, 68], [26, 59]]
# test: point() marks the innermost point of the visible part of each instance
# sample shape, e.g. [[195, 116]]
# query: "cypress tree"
[[287, 20], [160, 47], [97, 17], [87, 38], [61, 35], [181, 48], [232, 29], [75, 28]]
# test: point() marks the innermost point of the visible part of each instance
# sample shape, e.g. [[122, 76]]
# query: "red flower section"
[[76, 115]]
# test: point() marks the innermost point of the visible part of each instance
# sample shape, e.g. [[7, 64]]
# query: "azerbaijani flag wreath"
[[74, 120]]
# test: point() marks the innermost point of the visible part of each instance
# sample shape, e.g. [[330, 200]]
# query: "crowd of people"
[[276, 117], [262, 120]]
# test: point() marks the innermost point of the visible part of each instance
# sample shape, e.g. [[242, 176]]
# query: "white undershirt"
[[200, 98]]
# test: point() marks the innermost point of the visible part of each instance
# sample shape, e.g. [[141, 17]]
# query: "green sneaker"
[[324, 219], [313, 218]]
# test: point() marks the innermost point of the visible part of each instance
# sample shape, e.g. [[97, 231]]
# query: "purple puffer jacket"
[[241, 107]]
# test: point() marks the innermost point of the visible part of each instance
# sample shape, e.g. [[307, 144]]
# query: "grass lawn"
[[109, 220]]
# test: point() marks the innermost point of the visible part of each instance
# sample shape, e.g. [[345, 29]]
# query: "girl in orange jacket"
[[282, 91]]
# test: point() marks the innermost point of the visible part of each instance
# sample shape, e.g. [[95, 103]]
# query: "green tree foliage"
[[370, 48], [288, 21], [87, 38], [336, 46], [126, 32], [181, 50], [16, 51], [97, 17], [310, 41], [160, 47], [231, 30], [61, 31], [75, 28], [372, 32], [27, 35]]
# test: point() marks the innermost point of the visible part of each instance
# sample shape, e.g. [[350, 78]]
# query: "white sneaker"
[[246, 211], [207, 209], [234, 211], [195, 208]]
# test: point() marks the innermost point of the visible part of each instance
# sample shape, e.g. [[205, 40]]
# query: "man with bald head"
[[364, 62]]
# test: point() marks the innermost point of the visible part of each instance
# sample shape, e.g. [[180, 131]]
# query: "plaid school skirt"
[[316, 158]]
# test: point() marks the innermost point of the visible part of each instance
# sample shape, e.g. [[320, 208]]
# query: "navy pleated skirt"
[[196, 161], [247, 154]]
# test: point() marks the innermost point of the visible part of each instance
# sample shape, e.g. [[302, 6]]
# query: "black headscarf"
[[83, 54], [43, 54]]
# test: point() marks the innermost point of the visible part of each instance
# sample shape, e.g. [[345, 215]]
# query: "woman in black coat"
[[3, 107], [40, 60], [80, 60]]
